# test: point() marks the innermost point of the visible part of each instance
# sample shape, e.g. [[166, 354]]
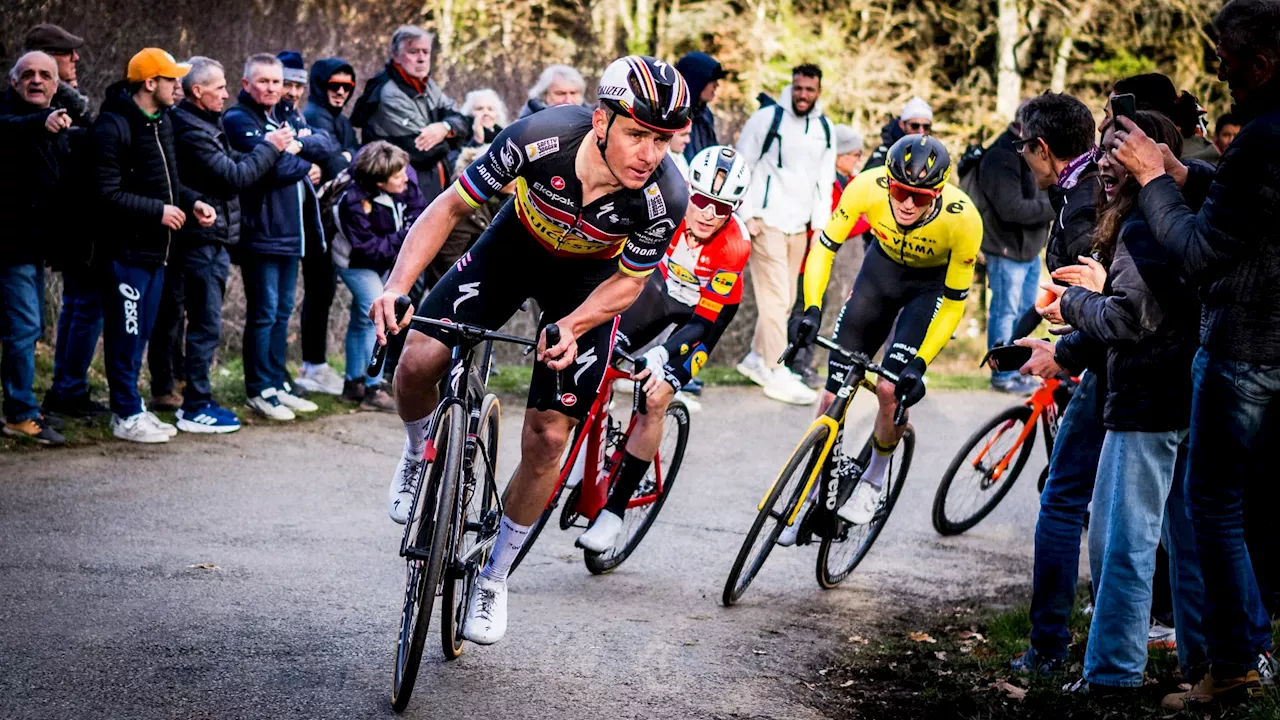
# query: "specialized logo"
[[455, 374], [657, 206], [542, 148], [510, 157], [586, 360], [568, 399], [611, 91], [557, 182], [722, 282], [607, 207], [131, 297], [467, 291]]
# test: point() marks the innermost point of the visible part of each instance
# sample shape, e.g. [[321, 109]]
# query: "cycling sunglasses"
[[341, 87], [921, 196], [719, 208]]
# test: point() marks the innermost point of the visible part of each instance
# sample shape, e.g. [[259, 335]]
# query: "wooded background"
[[973, 60]]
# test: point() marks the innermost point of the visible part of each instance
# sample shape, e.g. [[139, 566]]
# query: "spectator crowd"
[[1159, 235]]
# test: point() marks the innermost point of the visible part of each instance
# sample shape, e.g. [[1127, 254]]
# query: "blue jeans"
[[365, 286], [21, 303], [1228, 404], [1013, 290], [205, 269], [79, 327], [1062, 511], [130, 301], [269, 286], [1137, 473]]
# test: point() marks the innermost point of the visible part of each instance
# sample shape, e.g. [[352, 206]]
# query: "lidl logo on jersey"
[[682, 274], [657, 206], [542, 148], [722, 282]]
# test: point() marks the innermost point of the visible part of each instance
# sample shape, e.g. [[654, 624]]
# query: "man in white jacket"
[[793, 154]]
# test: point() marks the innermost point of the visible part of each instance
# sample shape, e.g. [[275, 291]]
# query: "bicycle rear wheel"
[[839, 555], [970, 490], [636, 521], [433, 512], [783, 498], [472, 507]]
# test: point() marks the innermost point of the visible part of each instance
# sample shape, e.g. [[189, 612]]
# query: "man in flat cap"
[[65, 50]]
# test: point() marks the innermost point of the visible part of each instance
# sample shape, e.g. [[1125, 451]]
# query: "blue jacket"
[[279, 214]]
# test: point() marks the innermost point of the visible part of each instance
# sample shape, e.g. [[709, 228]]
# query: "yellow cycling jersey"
[[950, 237]]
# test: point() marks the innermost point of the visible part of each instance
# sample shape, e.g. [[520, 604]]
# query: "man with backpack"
[[793, 154]]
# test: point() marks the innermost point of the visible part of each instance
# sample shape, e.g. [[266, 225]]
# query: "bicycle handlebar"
[[472, 333], [856, 358]]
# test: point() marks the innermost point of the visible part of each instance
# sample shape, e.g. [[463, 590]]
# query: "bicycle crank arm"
[[478, 548]]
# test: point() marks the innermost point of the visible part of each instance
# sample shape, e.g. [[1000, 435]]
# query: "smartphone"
[[1006, 357], [1124, 105]]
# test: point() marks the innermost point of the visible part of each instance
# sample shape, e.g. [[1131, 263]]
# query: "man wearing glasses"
[[916, 119], [333, 83], [917, 273]]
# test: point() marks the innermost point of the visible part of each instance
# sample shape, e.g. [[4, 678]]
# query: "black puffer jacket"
[[136, 172], [34, 188], [1015, 212], [210, 168], [891, 133], [1231, 247], [1147, 318]]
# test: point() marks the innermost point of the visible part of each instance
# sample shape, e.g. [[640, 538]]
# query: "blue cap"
[[295, 70]]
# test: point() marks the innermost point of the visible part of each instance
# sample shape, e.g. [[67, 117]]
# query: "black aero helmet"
[[919, 161], [647, 90]]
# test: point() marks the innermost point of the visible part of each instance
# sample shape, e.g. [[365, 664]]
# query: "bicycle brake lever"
[[380, 351], [900, 415], [553, 339], [639, 401]]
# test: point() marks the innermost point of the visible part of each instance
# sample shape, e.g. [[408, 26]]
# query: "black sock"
[[629, 477]]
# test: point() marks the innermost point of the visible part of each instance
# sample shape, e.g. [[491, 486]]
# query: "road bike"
[[594, 459], [457, 506], [986, 466], [820, 456]]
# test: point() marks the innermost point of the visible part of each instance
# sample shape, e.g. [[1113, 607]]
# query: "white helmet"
[[720, 172]]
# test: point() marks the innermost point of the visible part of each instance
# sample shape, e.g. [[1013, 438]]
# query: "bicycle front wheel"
[[637, 520], [783, 499], [434, 514], [838, 555], [476, 501], [983, 471]]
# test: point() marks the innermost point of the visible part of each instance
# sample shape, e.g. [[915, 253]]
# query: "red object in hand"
[[1046, 298]]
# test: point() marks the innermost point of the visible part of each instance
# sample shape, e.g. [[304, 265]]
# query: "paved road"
[[106, 612]]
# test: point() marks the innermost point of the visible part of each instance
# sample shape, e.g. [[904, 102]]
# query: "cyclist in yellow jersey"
[[917, 273]]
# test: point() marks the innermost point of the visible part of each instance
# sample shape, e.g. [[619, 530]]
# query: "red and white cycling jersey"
[[707, 276]]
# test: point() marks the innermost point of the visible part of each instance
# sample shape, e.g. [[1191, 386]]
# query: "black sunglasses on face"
[[920, 127], [341, 87]]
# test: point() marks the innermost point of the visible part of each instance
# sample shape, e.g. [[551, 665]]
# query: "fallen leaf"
[[1013, 691], [922, 637], [941, 655], [203, 566], [859, 639], [691, 643], [846, 683], [972, 635]]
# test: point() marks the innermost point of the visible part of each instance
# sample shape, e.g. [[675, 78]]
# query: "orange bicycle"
[[977, 481]]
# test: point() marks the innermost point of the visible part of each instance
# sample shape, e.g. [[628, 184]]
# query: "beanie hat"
[[294, 69], [917, 108], [847, 140]]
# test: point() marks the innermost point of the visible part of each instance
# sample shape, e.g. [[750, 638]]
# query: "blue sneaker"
[[693, 387], [208, 419]]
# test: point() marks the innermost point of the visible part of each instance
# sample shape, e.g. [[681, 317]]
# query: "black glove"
[[804, 329], [911, 383]]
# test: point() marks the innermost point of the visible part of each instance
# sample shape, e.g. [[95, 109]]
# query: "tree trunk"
[[1058, 82], [1008, 81]]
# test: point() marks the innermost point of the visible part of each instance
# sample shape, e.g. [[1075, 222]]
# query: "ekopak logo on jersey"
[[131, 297]]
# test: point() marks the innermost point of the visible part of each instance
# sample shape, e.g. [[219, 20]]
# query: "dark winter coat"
[[322, 116], [1147, 318], [375, 226], [891, 133], [35, 188], [218, 174], [1015, 212], [699, 70], [136, 173]]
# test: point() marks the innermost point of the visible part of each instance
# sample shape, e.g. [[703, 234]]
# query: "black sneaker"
[[1031, 662], [1268, 669], [37, 430], [77, 408], [353, 390]]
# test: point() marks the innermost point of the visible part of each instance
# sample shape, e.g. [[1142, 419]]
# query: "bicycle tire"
[[600, 563], [457, 588], [831, 574], [450, 429], [1008, 423], [805, 458]]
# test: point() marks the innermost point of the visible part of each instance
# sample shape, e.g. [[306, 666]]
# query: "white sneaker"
[[789, 534], [861, 506], [785, 386], [268, 406], [319, 379], [602, 533], [170, 430], [689, 401], [295, 403], [136, 428], [486, 621], [403, 485], [752, 366]]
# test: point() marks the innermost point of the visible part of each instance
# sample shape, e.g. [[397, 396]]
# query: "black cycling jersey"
[[883, 292], [539, 153]]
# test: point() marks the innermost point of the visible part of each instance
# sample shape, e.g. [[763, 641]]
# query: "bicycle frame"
[[1043, 407]]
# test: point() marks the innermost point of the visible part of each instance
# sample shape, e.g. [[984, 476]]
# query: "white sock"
[[415, 436], [511, 538], [874, 474]]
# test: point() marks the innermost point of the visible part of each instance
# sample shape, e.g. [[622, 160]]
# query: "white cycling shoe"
[[862, 504], [403, 485], [602, 533], [486, 621]]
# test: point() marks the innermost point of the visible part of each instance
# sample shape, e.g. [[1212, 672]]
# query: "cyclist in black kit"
[[597, 201]]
